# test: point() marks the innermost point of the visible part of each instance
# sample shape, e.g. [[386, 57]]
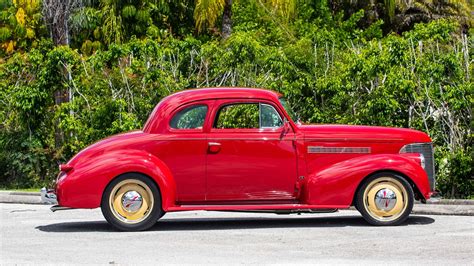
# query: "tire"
[[132, 202], [385, 199]]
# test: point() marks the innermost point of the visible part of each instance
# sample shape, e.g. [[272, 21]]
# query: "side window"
[[247, 115], [189, 118], [242, 115], [269, 117]]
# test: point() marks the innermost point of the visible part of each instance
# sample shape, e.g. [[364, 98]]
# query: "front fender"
[[337, 184], [83, 186]]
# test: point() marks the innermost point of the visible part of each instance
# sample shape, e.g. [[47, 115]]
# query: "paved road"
[[32, 234]]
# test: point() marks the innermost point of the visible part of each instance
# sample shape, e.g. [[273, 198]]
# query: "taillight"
[[65, 168]]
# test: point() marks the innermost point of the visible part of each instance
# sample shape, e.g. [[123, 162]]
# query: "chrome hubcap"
[[385, 199], [132, 201]]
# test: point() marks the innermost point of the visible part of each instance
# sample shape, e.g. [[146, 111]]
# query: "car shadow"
[[196, 224]]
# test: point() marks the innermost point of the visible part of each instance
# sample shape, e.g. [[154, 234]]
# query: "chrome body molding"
[[321, 149]]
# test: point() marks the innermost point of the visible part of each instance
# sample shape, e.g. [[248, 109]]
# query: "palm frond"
[[206, 13]]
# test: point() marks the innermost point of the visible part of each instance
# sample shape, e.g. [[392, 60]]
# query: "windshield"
[[288, 109]]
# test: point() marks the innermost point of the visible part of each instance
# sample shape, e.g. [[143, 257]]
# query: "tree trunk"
[[372, 13], [56, 14], [227, 19]]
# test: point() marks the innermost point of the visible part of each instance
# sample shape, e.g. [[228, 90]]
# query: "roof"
[[169, 103], [221, 93]]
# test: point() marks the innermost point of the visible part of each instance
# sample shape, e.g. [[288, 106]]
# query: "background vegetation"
[[75, 71]]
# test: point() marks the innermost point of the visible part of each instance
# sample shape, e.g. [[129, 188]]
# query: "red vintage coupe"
[[239, 149]]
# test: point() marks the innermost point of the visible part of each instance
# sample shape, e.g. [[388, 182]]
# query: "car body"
[[238, 149]]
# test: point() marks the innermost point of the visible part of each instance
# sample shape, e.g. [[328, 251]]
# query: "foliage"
[[104, 22], [238, 116], [331, 67], [20, 25]]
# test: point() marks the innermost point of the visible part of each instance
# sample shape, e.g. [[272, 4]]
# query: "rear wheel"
[[131, 202], [385, 199]]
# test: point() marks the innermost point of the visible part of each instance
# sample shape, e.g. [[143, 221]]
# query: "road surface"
[[32, 234]]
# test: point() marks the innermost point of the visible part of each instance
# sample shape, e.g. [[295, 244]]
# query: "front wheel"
[[385, 199], [131, 202]]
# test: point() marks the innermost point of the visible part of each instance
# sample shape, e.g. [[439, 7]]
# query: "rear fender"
[[337, 184], [85, 183]]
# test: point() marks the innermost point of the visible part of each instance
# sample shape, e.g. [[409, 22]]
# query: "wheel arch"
[[85, 184], [338, 183], [160, 175], [416, 190]]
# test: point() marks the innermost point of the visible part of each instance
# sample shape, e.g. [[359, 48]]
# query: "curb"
[[20, 197], [435, 201], [440, 209], [435, 207]]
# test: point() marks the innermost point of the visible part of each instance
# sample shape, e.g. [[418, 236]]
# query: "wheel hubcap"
[[131, 201], [385, 199]]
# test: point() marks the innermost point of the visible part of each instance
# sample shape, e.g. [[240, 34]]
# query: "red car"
[[239, 149]]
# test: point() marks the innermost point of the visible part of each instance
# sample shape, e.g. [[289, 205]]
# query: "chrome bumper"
[[48, 196]]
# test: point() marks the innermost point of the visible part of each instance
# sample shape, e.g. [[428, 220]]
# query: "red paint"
[[241, 169]]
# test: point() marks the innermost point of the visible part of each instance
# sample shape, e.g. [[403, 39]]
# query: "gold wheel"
[[385, 199], [131, 201]]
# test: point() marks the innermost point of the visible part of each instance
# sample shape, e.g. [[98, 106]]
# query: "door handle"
[[214, 147]]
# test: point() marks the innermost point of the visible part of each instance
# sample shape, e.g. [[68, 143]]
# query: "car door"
[[183, 149], [249, 156]]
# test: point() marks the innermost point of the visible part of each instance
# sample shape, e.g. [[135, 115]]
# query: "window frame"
[[222, 103], [189, 130], [260, 116]]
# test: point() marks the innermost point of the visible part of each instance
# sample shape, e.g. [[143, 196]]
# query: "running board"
[[274, 208], [297, 211]]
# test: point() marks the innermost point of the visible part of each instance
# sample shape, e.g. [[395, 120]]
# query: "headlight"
[[422, 161], [413, 148]]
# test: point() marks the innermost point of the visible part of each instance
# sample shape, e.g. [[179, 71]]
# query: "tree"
[[206, 12], [411, 12], [402, 15], [100, 23], [56, 15]]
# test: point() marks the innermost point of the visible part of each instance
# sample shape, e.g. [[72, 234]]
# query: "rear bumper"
[[48, 196]]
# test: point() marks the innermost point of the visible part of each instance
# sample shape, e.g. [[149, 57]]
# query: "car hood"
[[362, 133]]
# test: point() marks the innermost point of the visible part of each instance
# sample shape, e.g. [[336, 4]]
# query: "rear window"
[[189, 118]]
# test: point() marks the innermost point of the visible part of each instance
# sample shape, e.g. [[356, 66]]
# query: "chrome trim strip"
[[321, 149], [211, 139], [351, 140]]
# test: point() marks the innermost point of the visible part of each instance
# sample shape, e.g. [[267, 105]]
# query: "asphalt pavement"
[[32, 234]]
